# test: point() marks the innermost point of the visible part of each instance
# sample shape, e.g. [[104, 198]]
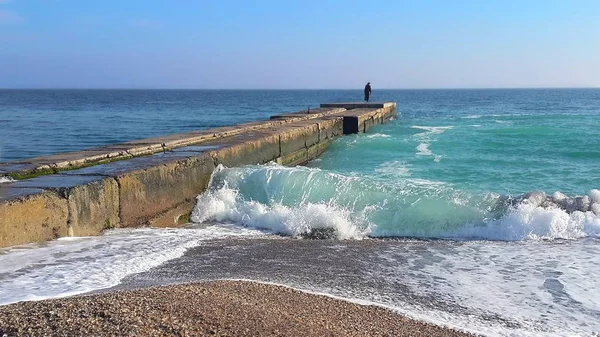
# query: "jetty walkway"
[[154, 182]]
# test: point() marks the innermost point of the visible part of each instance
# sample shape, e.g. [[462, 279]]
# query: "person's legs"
[[366, 97]]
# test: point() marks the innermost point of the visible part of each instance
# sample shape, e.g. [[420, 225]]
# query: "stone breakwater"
[[154, 182]]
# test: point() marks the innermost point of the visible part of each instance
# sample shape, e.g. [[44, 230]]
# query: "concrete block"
[[175, 217], [354, 120], [59, 183], [368, 123], [312, 134], [305, 114], [330, 128], [195, 148], [119, 168], [351, 125], [147, 193], [93, 207], [93, 200], [299, 157], [31, 215], [298, 136], [7, 193], [317, 150], [247, 149]]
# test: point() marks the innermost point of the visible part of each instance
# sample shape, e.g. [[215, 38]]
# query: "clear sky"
[[280, 44]]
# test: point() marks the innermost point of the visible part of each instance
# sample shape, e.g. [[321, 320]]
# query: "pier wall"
[[154, 182]]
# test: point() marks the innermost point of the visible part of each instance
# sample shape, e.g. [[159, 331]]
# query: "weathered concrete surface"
[[174, 217], [149, 192], [93, 201], [160, 189], [73, 160], [296, 137], [313, 113], [298, 157], [6, 168], [318, 149], [330, 128], [119, 168], [93, 207], [245, 149], [8, 193], [152, 185], [31, 215]]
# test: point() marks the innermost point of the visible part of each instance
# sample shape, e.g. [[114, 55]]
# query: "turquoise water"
[[440, 170], [503, 153], [456, 168]]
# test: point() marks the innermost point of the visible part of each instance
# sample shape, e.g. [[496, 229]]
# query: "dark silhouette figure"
[[367, 91]]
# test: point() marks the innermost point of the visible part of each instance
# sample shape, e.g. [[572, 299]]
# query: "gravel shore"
[[220, 308]]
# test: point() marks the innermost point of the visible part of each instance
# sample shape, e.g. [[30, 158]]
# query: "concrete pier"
[[154, 182]]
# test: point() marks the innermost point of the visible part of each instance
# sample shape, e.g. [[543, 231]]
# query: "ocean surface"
[[427, 214], [42, 122]]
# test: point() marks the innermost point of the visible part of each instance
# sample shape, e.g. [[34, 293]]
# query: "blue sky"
[[299, 44]]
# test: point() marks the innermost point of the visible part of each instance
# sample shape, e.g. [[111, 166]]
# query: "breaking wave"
[[299, 200], [5, 180]]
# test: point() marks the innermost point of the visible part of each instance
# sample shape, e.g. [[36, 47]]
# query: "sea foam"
[[224, 205], [423, 150], [5, 180], [77, 265], [294, 201]]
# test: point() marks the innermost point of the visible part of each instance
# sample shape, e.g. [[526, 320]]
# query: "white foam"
[[379, 135], [425, 138], [423, 150], [394, 168], [224, 205], [74, 266], [529, 222], [525, 222], [538, 289], [436, 130], [595, 196], [472, 117], [5, 180], [559, 196], [293, 201]]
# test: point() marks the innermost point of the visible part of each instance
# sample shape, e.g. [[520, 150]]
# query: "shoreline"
[[216, 308]]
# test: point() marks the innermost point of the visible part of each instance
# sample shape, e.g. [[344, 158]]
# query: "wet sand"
[[218, 308]]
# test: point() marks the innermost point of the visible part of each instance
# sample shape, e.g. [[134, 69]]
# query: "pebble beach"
[[218, 308]]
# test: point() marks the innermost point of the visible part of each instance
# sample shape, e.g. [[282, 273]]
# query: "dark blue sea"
[[42, 122]]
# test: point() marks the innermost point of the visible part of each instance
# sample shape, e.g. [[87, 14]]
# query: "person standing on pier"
[[367, 91]]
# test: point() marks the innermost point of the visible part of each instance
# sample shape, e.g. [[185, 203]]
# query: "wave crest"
[[300, 200]]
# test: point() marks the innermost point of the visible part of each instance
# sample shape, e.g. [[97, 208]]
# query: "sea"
[[477, 210]]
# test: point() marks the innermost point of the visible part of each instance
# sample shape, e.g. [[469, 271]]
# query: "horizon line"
[[298, 89]]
